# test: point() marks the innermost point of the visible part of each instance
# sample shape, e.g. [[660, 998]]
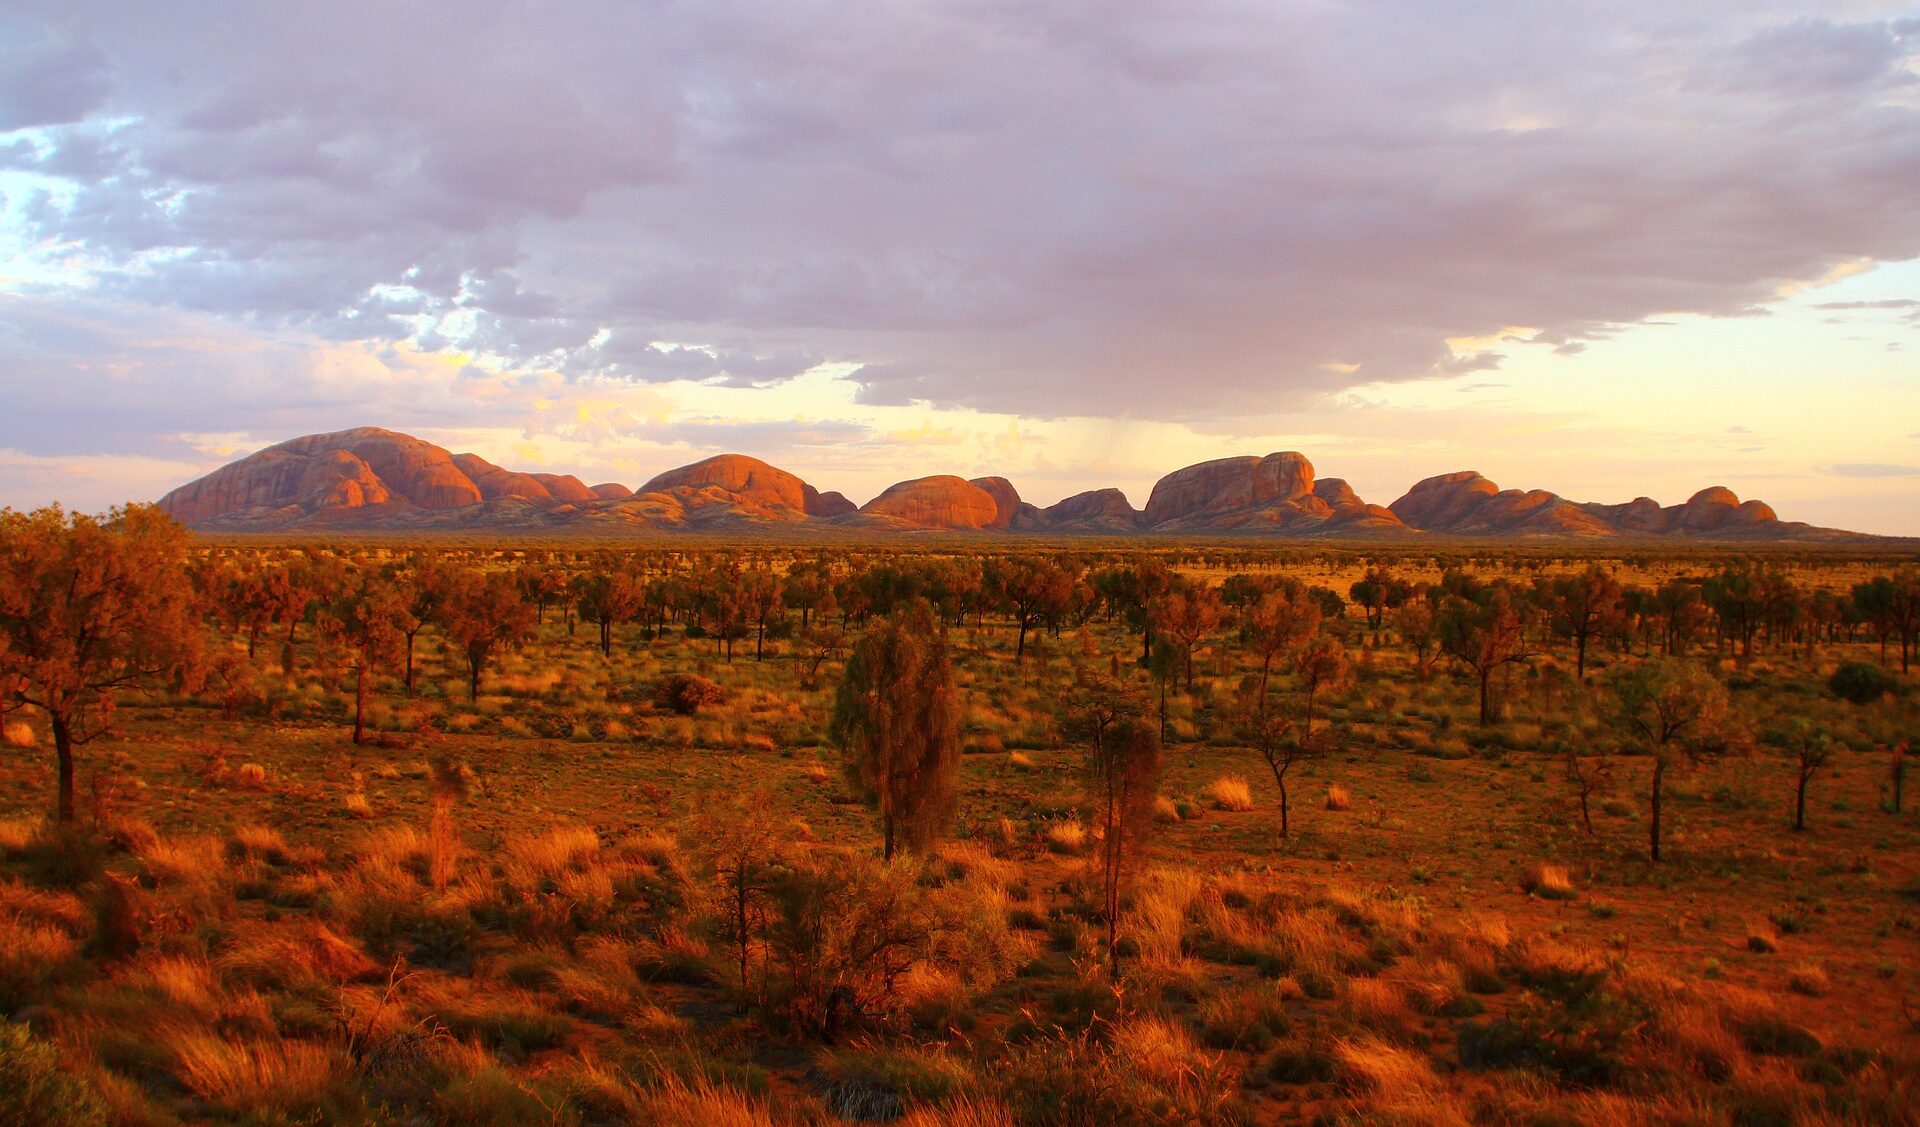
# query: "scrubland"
[[564, 900]]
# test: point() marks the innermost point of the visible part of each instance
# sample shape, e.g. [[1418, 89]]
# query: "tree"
[[1124, 768], [1589, 775], [485, 614], [1584, 606], [896, 718], [1682, 612], [90, 608], [607, 600], [745, 850], [1484, 635], [1034, 589], [1272, 734], [1184, 615], [1277, 621], [1874, 601], [425, 587], [1736, 597], [1376, 593], [363, 619], [1415, 624], [1812, 749], [1322, 667], [1669, 709]]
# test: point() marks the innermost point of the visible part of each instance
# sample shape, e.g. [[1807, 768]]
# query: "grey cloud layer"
[[1155, 208]]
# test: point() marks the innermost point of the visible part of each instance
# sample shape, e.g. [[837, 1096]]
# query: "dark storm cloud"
[[1151, 208]]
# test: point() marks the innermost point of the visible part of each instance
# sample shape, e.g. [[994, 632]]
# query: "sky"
[[1609, 249]]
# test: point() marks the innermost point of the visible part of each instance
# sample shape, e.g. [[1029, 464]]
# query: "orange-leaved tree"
[[91, 607]]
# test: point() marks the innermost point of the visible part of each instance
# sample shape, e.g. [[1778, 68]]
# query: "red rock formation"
[[564, 487], [345, 469], [1006, 499], [1096, 509], [832, 503], [372, 478], [942, 501], [1230, 485], [1276, 493], [768, 490]]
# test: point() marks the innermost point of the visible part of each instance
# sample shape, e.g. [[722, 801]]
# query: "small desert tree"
[[484, 615], [1185, 615], [1671, 710], [92, 607], [609, 599], [1277, 621], [745, 852], [1321, 667], [1484, 634], [1584, 606], [1812, 749], [362, 622], [1103, 712], [1588, 775], [1278, 741], [1124, 768], [896, 718]]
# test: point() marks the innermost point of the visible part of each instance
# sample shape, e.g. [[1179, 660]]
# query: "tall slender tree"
[[896, 718]]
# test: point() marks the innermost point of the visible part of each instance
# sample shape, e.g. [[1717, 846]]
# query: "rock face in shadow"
[[832, 503], [1006, 499], [941, 501], [1276, 492], [1096, 510], [369, 478], [1467, 504]]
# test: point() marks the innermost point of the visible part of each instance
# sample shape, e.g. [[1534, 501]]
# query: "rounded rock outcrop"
[[1227, 485], [753, 481], [941, 501]]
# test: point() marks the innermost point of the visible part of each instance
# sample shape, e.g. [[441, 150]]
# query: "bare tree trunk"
[[1653, 828], [63, 751], [360, 701]]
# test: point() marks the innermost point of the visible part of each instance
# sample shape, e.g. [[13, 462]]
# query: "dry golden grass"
[[1157, 921], [286, 956], [1379, 1005], [1021, 761], [1338, 797], [1371, 1065], [1547, 881], [1068, 835], [1809, 979], [18, 733], [1230, 792], [185, 861], [15, 833], [961, 1111], [703, 1102], [260, 843], [250, 776], [258, 1074], [1160, 1050]]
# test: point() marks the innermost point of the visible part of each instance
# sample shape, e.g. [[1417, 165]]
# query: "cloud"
[[1875, 469], [1164, 210]]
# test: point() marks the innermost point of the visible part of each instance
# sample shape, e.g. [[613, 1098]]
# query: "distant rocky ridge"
[[373, 479]]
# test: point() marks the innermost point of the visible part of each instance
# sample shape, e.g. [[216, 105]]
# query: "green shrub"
[[33, 1089], [1861, 683]]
